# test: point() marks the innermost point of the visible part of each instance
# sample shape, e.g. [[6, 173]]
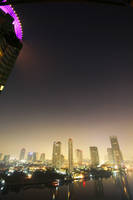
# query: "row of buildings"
[[114, 155], [31, 156]]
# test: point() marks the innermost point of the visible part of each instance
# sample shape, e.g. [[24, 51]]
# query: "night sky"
[[74, 78]]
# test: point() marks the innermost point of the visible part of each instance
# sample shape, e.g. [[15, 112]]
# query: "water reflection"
[[122, 183], [98, 188], [69, 193], [93, 189], [54, 193]]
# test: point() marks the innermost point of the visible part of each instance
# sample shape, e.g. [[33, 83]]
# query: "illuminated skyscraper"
[[70, 155], [1, 156], [110, 155], [56, 158], [62, 160], [94, 156], [30, 156], [42, 157], [79, 156], [35, 156], [117, 155], [10, 47], [6, 158], [22, 154]]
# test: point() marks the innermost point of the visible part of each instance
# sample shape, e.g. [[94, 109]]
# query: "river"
[[115, 188]]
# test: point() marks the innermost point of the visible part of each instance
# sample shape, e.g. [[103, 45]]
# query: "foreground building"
[[10, 42]]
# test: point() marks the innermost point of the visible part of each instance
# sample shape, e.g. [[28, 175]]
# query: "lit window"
[[1, 87]]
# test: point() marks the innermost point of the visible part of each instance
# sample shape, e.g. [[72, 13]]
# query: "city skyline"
[[73, 79], [66, 110], [113, 154]]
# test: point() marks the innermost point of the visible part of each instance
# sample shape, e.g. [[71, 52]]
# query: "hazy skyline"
[[74, 78]]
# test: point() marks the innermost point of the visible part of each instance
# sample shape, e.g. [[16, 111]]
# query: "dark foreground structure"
[[10, 46]]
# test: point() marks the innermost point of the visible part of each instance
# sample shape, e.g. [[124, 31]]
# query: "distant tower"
[[62, 160], [1, 156], [94, 156], [42, 157], [70, 155], [117, 155], [30, 156], [79, 156], [56, 158], [110, 155], [6, 158], [22, 154], [35, 156]]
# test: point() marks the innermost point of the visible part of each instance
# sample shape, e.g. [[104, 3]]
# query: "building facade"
[[70, 155], [117, 154], [30, 156], [1, 156], [6, 158], [56, 157], [22, 154], [42, 157], [35, 156], [110, 155], [79, 157], [94, 155]]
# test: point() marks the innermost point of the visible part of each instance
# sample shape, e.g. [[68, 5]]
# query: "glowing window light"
[[1, 87], [29, 176], [2, 188], [1, 54], [17, 25]]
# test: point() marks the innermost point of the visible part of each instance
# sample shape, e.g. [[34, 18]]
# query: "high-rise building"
[[117, 154], [10, 47], [22, 154], [30, 156], [56, 158], [79, 156], [70, 155], [42, 157], [6, 158], [35, 156], [94, 156], [62, 160], [110, 155], [1, 156]]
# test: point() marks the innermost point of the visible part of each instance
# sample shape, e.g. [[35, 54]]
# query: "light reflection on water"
[[118, 187]]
